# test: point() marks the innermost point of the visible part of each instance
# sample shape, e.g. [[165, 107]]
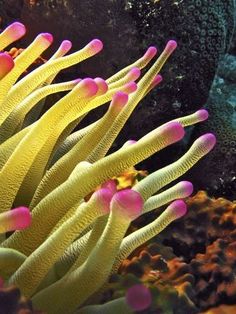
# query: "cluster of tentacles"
[[76, 218]]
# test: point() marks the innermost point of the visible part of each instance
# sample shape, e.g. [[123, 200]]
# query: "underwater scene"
[[117, 156]]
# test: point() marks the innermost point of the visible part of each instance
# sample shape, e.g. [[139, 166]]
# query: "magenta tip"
[[104, 196], [177, 208], [96, 45], [130, 87], [209, 141], [138, 297], [157, 79], [66, 45], [130, 142], [128, 203], [7, 64], [120, 99], [150, 53], [47, 36], [90, 86], [22, 217], [202, 114], [171, 46], [17, 29], [111, 185], [174, 130], [102, 85], [78, 80], [187, 188], [134, 73]]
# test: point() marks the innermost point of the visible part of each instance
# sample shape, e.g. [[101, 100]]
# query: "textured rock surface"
[[221, 171]]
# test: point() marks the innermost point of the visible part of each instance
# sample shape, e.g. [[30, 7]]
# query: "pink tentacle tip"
[[102, 85], [21, 217], [177, 208], [7, 64], [150, 53], [111, 185], [78, 80], [89, 87], [66, 45], [157, 80], [104, 196], [187, 188], [47, 36], [138, 297], [171, 46], [119, 99], [129, 142], [208, 141], [16, 30], [202, 114], [130, 87], [128, 203], [173, 131], [134, 74], [95, 45]]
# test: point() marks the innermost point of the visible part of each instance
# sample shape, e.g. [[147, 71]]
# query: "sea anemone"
[[75, 242]]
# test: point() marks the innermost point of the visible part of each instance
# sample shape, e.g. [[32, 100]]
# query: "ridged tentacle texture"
[[74, 236]]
